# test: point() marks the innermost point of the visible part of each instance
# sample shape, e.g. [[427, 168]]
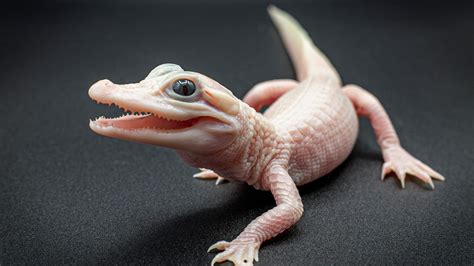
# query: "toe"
[[423, 176], [431, 172], [238, 256]]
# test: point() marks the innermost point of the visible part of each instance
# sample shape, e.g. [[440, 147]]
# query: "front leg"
[[265, 93], [396, 158], [209, 174], [244, 249]]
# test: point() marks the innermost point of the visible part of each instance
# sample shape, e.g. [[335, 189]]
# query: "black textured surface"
[[70, 196]]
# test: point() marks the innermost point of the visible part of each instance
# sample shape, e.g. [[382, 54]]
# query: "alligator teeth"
[[135, 113]]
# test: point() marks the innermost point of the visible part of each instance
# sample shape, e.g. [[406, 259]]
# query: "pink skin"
[[309, 129]]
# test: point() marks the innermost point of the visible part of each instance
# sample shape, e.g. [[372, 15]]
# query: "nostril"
[[106, 82], [100, 88]]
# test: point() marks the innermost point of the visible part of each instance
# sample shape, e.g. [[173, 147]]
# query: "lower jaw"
[[174, 139], [144, 122], [99, 128]]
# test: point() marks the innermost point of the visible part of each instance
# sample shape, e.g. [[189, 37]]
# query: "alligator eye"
[[184, 87]]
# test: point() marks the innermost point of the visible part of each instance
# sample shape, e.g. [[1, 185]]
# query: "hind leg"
[[396, 158], [265, 93]]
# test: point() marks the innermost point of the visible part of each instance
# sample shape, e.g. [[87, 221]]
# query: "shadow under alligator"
[[184, 240]]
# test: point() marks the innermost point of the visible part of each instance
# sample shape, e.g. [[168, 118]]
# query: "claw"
[[401, 176], [220, 180], [209, 174], [402, 181], [431, 172], [437, 176], [221, 245], [205, 174], [386, 168], [431, 184]]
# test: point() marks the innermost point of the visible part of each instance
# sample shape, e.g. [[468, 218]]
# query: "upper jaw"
[[149, 111], [135, 98], [143, 108]]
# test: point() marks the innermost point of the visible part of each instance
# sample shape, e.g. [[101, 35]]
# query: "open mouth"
[[144, 120]]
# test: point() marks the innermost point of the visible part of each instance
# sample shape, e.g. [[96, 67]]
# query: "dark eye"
[[184, 87]]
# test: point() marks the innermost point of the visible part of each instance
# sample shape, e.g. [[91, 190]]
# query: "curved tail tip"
[[276, 14], [272, 9]]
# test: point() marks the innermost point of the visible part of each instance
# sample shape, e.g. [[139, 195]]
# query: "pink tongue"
[[146, 121]]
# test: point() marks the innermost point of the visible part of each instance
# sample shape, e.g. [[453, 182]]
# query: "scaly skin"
[[309, 129]]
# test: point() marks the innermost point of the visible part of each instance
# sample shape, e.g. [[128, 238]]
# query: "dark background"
[[70, 196]]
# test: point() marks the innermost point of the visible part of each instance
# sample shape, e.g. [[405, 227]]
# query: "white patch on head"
[[163, 70]]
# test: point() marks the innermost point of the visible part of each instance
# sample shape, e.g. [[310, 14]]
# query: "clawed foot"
[[402, 163], [209, 174], [241, 254]]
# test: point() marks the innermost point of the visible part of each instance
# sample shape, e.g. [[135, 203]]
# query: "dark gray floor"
[[70, 196]]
